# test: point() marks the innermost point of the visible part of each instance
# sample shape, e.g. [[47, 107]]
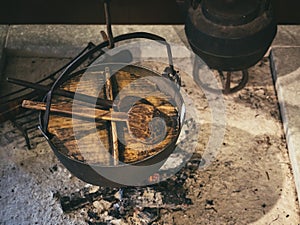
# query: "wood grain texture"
[[113, 126], [89, 141]]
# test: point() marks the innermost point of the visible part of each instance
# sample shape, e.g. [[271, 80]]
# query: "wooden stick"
[[81, 111], [137, 118], [114, 134]]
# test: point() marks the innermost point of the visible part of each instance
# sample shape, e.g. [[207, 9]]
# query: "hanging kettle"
[[230, 35]]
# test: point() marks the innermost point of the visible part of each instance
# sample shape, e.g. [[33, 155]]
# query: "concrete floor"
[[285, 57], [250, 180]]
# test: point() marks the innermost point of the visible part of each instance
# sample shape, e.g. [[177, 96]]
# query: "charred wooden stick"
[[82, 97], [114, 134]]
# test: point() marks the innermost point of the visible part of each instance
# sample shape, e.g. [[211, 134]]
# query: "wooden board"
[[92, 143]]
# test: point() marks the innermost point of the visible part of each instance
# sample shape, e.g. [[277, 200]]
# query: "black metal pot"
[[140, 170], [230, 35]]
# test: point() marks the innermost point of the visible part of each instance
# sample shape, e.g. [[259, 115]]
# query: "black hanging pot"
[[230, 35], [124, 173]]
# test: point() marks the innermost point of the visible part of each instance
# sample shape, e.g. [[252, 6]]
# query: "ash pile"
[[131, 205]]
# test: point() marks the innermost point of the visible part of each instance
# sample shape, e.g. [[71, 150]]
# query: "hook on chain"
[[109, 36]]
